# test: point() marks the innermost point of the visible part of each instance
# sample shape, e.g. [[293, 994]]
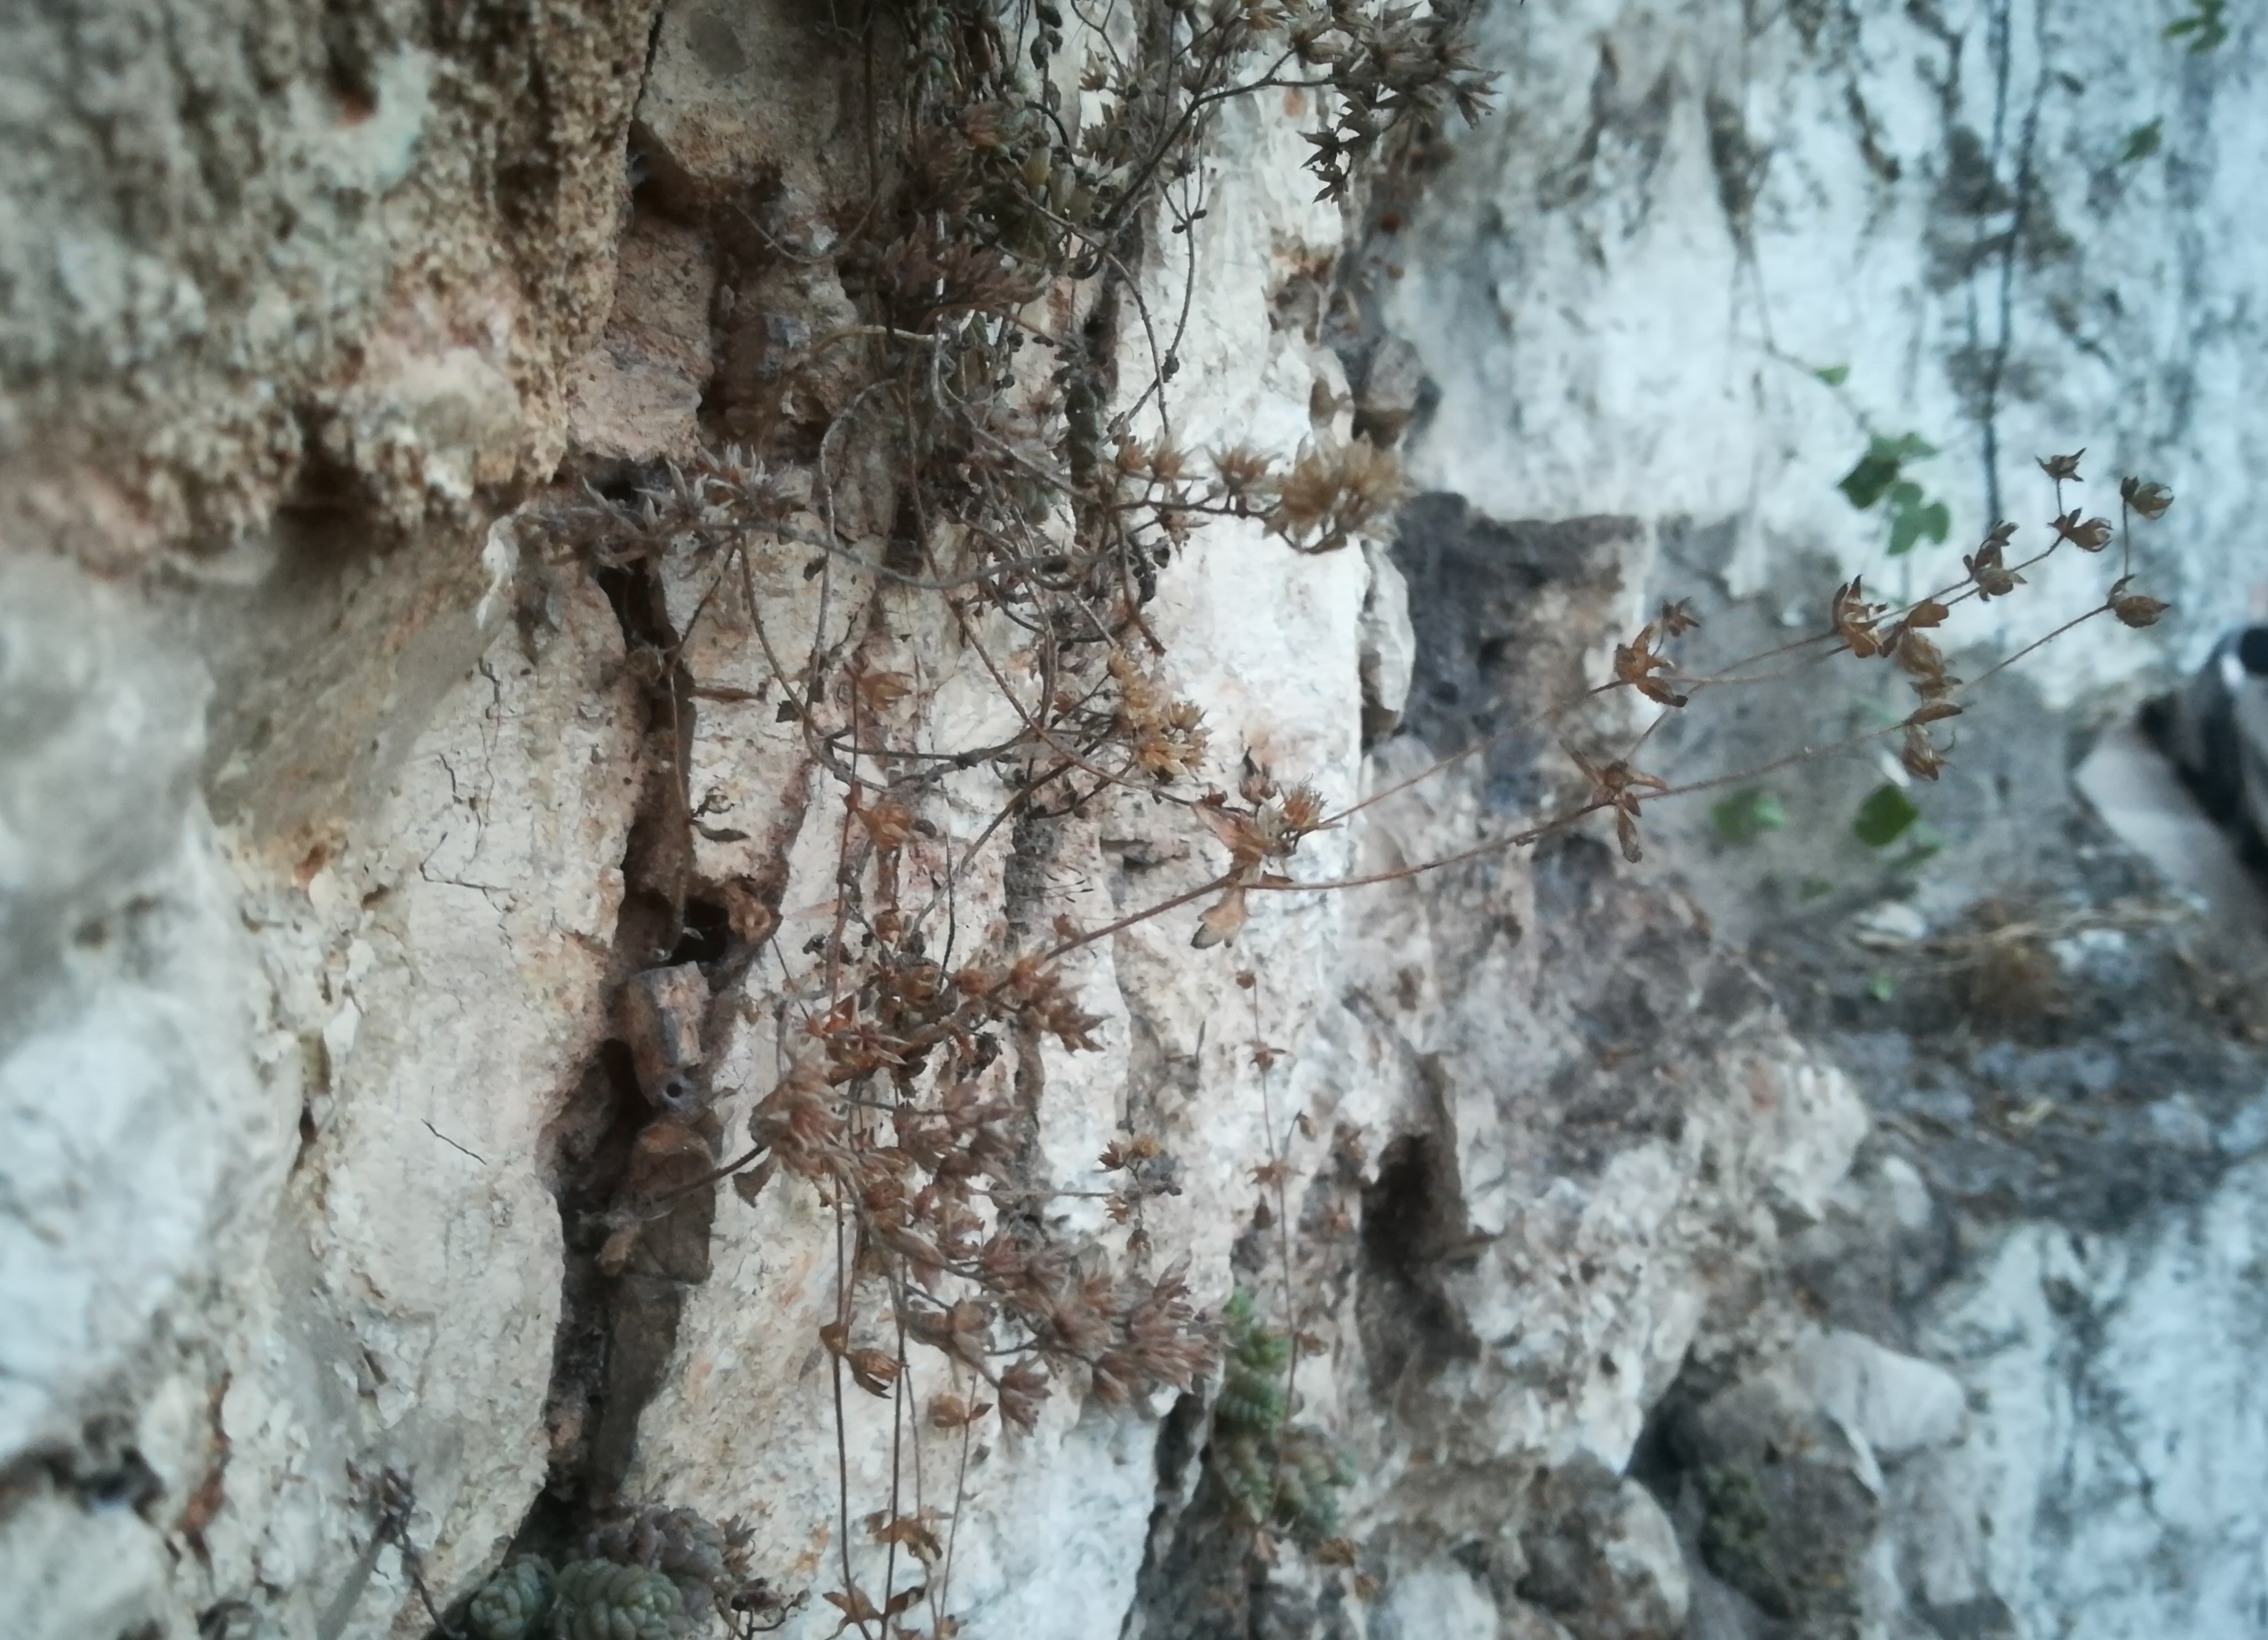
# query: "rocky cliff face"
[[1708, 254], [434, 818]]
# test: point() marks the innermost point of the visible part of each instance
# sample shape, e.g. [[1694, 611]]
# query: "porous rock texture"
[[341, 827]]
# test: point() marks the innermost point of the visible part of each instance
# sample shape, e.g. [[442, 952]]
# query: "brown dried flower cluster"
[[1615, 785], [1331, 496], [997, 459], [902, 1123], [1637, 662], [1267, 830], [1857, 624], [1165, 735]]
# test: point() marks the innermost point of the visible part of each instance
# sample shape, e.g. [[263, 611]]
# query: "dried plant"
[[978, 405]]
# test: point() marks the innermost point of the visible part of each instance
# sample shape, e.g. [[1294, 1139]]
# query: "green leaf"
[[1864, 483], [2207, 27], [1884, 817], [1882, 987], [1747, 816], [1878, 469], [2143, 141], [1833, 375], [1814, 889], [1905, 493], [1910, 522]]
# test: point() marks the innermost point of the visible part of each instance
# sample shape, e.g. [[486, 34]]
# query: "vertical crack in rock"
[[633, 1153], [1739, 163], [2002, 247], [1031, 851]]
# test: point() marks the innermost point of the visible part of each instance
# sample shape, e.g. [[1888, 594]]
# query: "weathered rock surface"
[[1628, 288], [1708, 257], [257, 255], [405, 905]]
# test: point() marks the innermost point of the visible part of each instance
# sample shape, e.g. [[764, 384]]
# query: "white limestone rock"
[[1628, 288]]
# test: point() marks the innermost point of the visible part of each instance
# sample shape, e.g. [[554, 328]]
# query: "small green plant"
[[1884, 817], [1868, 481], [2143, 141], [2204, 28], [515, 1604], [1736, 1530], [1747, 816], [1888, 814], [602, 1599], [658, 1575], [589, 1599], [1879, 475], [1283, 1476], [1833, 375], [1913, 516]]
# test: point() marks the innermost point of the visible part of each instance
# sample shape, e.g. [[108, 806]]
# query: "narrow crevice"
[[1204, 1576], [1031, 851], [620, 1156], [1412, 1225]]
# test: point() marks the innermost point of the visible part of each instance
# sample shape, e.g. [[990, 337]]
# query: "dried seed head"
[[800, 1119], [1166, 735], [1993, 578], [1329, 496], [1023, 1388], [2133, 610], [950, 1412], [1919, 655], [1221, 921], [1921, 756], [2151, 501], [1854, 618], [888, 823], [1239, 471], [2088, 535], [1636, 663], [1626, 834], [1302, 811]]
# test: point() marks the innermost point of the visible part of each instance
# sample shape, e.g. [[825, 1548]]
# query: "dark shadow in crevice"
[[1412, 1226], [635, 1235]]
